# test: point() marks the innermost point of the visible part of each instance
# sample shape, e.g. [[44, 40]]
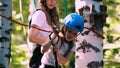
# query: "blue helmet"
[[74, 21]]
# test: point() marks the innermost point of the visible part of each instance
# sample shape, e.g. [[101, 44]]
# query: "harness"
[[62, 40]]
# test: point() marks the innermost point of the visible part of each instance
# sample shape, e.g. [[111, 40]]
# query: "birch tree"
[[89, 50], [5, 31]]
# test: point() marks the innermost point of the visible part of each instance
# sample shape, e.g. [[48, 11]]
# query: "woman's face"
[[51, 3], [71, 34]]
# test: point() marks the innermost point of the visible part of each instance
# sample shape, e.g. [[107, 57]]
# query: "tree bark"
[[89, 45], [5, 31]]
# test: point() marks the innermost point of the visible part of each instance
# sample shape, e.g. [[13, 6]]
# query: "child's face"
[[71, 34]]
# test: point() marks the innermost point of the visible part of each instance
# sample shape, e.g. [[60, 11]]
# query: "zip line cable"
[[26, 25], [98, 34]]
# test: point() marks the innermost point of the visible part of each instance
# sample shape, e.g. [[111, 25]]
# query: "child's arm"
[[63, 59]]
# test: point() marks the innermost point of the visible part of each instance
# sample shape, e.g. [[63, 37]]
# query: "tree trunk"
[[89, 53], [5, 31]]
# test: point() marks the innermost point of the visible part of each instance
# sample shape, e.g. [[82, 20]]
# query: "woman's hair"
[[51, 14]]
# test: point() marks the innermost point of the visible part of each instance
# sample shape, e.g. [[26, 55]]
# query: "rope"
[[26, 25], [54, 52], [98, 34]]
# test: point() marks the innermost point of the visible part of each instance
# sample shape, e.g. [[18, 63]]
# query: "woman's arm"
[[34, 37]]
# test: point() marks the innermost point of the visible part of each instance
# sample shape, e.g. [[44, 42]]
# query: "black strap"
[[55, 54]]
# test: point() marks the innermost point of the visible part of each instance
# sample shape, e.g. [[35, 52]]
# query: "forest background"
[[21, 51]]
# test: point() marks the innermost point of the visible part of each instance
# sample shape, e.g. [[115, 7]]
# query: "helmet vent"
[[68, 22], [78, 27]]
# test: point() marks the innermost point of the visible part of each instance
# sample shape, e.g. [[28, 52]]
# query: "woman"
[[63, 46], [46, 17]]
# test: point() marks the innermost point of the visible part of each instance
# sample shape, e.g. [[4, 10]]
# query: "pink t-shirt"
[[39, 19]]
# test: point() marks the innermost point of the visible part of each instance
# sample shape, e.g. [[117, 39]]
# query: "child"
[[63, 44]]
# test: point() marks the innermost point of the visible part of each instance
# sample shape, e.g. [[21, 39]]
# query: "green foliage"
[[111, 58], [71, 62], [25, 8], [69, 8], [111, 33], [18, 50]]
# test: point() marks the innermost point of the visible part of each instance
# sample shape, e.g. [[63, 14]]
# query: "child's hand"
[[61, 34]]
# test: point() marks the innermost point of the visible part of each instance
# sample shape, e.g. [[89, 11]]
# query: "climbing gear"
[[74, 21], [26, 25], [54, 52]]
